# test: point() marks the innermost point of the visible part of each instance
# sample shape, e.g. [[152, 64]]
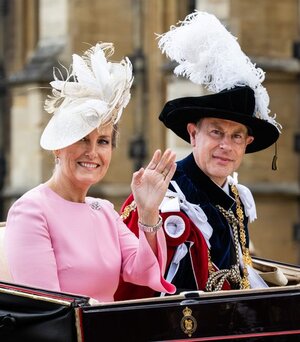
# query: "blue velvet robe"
[[199, 189]]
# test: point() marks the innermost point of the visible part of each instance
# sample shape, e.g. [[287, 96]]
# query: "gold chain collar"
[[239, 211], [217, 279]]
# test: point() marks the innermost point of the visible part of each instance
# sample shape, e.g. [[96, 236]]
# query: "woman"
[[58, 238]]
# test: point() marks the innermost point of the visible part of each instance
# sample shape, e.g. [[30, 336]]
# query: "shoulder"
[[31, 198], [28, 208]]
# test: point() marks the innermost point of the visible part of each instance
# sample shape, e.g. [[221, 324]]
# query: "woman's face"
[[85, 162]]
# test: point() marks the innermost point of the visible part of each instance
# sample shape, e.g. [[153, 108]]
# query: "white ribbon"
[[256, 281], [194, 212], [246, 197], [170, 203], [180, 253]]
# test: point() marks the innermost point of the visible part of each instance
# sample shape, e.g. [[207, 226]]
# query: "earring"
[[57, 160]]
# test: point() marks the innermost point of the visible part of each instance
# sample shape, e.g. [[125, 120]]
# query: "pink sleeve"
[[140, 265], [28, 247]]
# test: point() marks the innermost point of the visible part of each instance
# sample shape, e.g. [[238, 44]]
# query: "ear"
[[56, 153], [192, 130], [249, 140]]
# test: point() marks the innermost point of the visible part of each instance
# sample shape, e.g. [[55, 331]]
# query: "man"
[[206, 212]]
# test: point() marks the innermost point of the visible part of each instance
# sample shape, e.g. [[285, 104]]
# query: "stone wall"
[[266, 29]]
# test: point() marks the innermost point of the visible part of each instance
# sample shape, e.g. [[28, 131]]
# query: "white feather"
[[209, 55], [100, 66], [95, 85], [82, 72], [75, 89]]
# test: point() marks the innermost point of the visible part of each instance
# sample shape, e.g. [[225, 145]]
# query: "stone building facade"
[[36, 35]]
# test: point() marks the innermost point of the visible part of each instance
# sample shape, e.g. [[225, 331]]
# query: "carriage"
[[272, 314]]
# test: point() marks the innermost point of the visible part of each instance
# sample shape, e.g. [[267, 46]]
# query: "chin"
[[88, 181]]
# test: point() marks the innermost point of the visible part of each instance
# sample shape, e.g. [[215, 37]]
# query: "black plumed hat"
[[210, 56], [237, 104]]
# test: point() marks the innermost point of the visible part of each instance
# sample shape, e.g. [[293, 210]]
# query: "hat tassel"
[[274, 161]]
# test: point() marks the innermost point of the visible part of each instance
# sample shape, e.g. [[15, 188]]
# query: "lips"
[[223, 159], [89, 165]]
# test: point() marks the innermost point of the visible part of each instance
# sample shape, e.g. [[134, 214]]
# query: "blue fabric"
[[200, 189]]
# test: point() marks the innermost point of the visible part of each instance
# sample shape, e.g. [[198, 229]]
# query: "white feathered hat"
[[94, 93], [209, 55]]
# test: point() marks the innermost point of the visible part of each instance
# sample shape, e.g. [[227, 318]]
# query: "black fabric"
[[29, 315], [236, 104], [200, 189]]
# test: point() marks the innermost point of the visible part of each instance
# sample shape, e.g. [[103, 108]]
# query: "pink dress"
[[79, 248]]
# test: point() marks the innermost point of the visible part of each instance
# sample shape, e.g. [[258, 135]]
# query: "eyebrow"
[[101, 136], [238, 130], [104, 136]]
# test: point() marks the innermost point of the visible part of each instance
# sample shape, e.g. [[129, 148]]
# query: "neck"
[[220, 182], [66, 190]]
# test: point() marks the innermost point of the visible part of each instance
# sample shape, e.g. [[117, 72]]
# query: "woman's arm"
[[28, 246], [149, 187]]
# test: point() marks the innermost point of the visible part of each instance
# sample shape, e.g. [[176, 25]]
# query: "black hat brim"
[[178, 113]]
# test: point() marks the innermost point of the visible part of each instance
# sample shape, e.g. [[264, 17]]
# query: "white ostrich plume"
[[209, 55], [94, 86]]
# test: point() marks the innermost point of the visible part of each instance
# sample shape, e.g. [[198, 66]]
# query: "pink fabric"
[[72, 247]]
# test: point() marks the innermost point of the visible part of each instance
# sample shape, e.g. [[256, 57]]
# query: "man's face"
[[218, 146]]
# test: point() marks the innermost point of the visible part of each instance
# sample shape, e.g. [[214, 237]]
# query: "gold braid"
[[217, 279], [245, 251], [127, 210]]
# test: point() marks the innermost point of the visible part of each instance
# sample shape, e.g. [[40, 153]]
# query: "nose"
[[91, 151], [226, 142]]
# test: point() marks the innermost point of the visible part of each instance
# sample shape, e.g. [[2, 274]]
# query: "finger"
[[165, 159], [168, 166], [171, 172], [155, 160], [137, 176]]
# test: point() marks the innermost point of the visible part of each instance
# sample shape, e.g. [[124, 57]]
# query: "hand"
[[149, 185]]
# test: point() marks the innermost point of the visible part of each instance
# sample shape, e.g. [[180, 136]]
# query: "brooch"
[[95, 205]]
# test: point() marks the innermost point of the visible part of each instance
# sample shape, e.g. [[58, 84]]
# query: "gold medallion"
[[188, 323]]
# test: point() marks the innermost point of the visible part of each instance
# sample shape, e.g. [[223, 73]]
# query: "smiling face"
[[218, 146], [85, 162]]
